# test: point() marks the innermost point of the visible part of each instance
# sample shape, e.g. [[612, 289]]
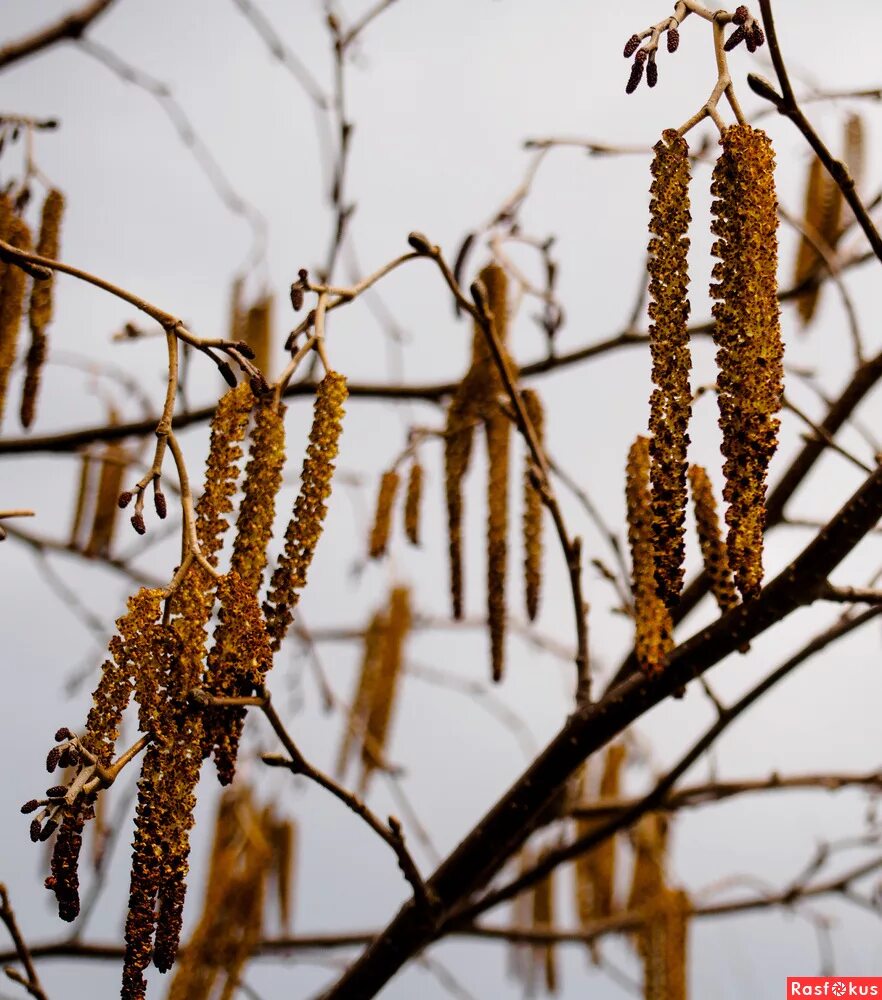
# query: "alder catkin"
[[305, 527], [110, 480], [263, 479], [13, 283], [386, 686], [40, 310], [653, 627], [258, 333], [369, 671], [83, 497], [413, 503], [458, 437], [671, 400], [532, 516], [748, 337], [498, 432], [381, 528], [713, 549], [662, 944]]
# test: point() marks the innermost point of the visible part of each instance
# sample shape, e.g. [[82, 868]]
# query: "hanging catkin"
[[413, 503], [113, 470], [381, 528], [40, 311], [748, 337], [375, 637], [458, 437], [532, 517], [305, 527], [670, 404], [653, 628], [713, 550], [263, 478], [13, 282], [385, 688], [258, 333]]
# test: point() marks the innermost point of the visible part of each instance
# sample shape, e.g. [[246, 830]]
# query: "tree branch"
[[71, 26]]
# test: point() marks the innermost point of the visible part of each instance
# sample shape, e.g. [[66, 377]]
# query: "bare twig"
[[30, 980]]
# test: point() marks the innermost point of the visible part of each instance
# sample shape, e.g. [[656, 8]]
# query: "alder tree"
[[577, 853]]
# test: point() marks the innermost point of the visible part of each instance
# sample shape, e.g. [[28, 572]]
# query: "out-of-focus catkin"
[[413, 503], [258, 333], [821, 223], [713, 549], [384, 697], [263, 478], [305, 527], [113, 470], [596, 868], [366, 683], [459, 434], [13, 283], [662, 944], [671, 401], [532, 515], [382, 526], [40, 310], [653, 627], [748, 337], [498, 430]]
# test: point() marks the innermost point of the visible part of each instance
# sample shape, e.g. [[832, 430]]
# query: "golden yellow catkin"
[[369, 671], [40, 310], [12, 293], [595, 869], [663, 943], [305, 527], [83, 497], [653, 638], [236, 318], [459, 434], [228, 427], [413, 503], [258, 333], [545, 956], [237, 663], [388, 681], [381, 528], [855, 148], [713, 550], [282, 835], [532, 515], [821, 225], [649, 841], [263, 479], [110, 481], [671, 400], [748, 337]]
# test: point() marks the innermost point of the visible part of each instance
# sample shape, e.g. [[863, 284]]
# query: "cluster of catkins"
[[14, 230], [167, 664], [749, 385]]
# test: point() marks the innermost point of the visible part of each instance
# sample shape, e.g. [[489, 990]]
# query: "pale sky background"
[[442, 95]]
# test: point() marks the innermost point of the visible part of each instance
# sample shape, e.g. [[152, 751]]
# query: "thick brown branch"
[[71, 26]]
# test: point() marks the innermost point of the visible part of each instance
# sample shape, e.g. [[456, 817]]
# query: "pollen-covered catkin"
[[305, 527], [713, 549], [532, 515], [13, 282], [748, 337], [375, 637], [382, 526], [413, 503], [821, 221], [671, 401], [653, 628], [263, 478], [113, 470], [40, 310]]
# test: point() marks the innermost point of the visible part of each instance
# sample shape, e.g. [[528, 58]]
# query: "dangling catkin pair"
[[749, 384]]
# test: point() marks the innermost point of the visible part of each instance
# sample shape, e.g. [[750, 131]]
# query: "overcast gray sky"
[[442, 96]]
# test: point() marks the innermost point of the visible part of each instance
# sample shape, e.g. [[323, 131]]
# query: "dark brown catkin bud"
[[631, 46], [747, 333], [413, 503], [635, 77], [741, 14], [138, 523], [52, 759], [30, 806], [671, 400], [159, 502], [651, 73], [736, 38], [381, 528], [673, 40], [40, 310]]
